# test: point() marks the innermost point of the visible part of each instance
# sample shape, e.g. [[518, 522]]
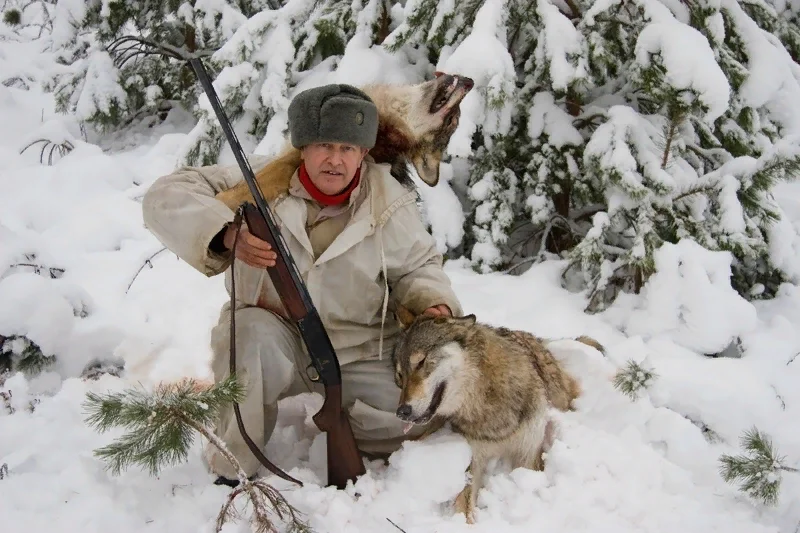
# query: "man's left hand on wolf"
[[361, 246]]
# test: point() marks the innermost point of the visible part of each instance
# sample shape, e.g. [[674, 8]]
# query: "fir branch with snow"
[[161, 423], [113, 92], [19, 354], [758, 470], [633, 378], [161, 428]]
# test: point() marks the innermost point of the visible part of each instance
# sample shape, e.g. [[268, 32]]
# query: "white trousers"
[[271, 361]]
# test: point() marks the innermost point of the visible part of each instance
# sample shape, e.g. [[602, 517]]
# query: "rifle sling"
[[237, 221]]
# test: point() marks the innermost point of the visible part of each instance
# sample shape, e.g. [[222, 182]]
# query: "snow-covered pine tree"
[[268, 57], [455, 36], [634, 124], [111, 94], [596, 131]]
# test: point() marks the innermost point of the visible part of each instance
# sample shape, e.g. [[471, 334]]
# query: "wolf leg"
[[534, 443], [465, 501]]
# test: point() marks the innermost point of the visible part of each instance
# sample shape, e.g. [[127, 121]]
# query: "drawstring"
[[385, 293]]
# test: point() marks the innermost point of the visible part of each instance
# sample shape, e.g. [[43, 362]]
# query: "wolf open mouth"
[[450, 90], [424, 418]]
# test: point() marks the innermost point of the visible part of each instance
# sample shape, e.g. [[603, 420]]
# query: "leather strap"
[[237, 222]]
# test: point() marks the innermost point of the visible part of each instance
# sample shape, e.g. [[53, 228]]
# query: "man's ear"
[[404, 316]]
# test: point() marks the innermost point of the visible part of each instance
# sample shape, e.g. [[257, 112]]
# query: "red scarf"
[[321, 197]]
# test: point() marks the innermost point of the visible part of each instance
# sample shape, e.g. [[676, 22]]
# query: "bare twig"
[[54, 272], [261, 494], [128, 47], [780, 398], [520, 263], [395, 525], [146, 263], [63, 149]]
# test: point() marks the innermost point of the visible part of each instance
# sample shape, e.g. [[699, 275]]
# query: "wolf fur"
[[415, 123], [492, 384]]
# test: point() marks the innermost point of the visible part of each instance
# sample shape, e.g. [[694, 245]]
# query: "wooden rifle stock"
[[344, 459]]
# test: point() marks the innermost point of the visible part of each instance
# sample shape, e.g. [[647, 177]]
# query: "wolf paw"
[[463, 505]]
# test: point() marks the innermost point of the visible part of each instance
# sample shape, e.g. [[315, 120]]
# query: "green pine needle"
[[159, 430], [633, 378], [758, 470]]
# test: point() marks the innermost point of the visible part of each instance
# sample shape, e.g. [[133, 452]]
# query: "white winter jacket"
[[383, 256]]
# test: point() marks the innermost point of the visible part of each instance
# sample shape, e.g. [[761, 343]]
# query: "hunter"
[[361, 246]]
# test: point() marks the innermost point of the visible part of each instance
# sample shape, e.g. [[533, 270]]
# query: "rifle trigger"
[[311, 372]]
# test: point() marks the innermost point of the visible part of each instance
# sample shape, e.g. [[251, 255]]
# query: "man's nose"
[[335, 156]]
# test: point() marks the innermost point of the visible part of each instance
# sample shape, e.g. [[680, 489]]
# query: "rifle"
[[344, 459]]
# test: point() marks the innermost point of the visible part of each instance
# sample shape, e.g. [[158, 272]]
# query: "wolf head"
[[416, 122], [431, 365]]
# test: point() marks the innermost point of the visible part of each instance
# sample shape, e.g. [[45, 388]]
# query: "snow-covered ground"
[[618, 465]]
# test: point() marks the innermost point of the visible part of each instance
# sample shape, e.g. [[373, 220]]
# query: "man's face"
[[331, 166]]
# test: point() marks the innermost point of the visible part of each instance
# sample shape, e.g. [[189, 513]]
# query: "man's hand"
[[250, 249], [438, 310]]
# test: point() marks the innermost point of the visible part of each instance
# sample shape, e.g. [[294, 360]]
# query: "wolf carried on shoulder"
[[492, 384]]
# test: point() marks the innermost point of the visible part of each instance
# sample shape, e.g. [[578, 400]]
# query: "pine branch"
[[24, 355], [759, 470], [161, 433], [633, 378], [162, 426]]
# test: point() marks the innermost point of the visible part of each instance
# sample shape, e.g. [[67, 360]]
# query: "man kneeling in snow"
[[355, 233]]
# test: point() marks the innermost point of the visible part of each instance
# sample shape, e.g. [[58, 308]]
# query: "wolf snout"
[[404, 412], [455, 80]]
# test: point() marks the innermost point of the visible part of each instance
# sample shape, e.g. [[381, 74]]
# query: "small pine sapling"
[[631, 379], [161, 430], [759, 469]]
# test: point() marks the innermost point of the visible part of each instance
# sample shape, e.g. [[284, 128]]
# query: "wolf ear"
[[466, 320], [404, 316], [427, 166]]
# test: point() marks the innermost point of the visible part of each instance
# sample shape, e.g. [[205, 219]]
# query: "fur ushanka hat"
[[333, 113]]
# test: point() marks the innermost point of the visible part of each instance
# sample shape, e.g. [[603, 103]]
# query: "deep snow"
[[618, 465]]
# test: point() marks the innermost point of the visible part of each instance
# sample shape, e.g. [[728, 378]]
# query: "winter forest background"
[[597, 131], [608, 146]]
